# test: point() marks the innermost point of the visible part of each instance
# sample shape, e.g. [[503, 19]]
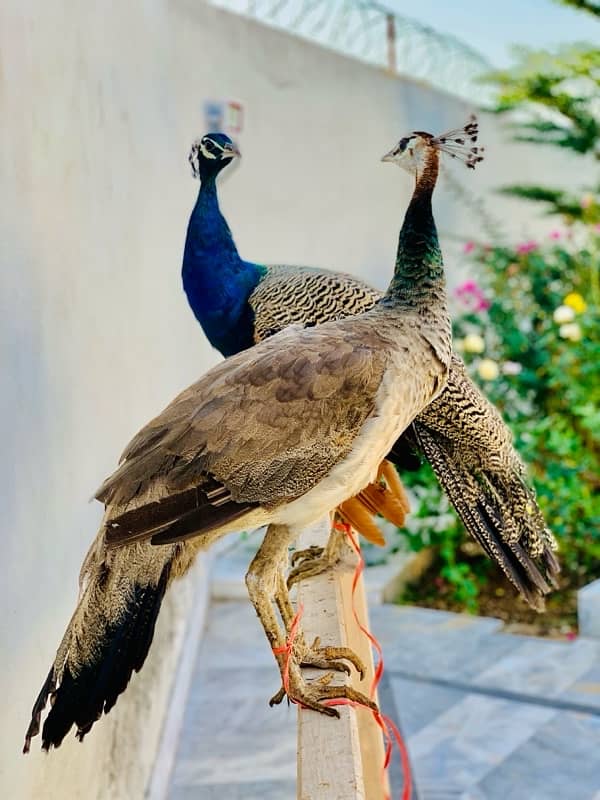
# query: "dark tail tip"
[[82, 698], [36, 712]]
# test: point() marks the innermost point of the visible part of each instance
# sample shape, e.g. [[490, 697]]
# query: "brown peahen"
[[278, 435]]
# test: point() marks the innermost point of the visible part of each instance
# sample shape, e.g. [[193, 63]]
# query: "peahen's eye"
[[402, 143]]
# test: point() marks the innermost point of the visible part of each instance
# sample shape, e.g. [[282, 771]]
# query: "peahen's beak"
[[391, 155]]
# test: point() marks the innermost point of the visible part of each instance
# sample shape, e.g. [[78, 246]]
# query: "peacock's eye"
[[209, 145]]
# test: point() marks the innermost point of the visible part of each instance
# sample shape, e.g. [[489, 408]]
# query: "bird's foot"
[[311, 695], [309, 567], [329, 658], [315, 560], [309, 553]]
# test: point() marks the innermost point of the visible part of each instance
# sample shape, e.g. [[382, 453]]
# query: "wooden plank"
[[370, 736], [337, 759]]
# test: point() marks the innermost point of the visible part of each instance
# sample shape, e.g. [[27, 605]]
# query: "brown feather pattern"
[[468, 444], [266, 425]]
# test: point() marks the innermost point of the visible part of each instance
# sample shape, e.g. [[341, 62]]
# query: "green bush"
[[527, 328]]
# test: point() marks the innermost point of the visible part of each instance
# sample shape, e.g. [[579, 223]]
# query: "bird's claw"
[[329, 658], [312, 695], [308, 553]]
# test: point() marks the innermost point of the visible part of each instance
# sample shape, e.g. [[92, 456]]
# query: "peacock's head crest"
[[211, 153], [412, 151]]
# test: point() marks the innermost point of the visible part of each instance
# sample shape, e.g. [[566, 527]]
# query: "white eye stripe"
[[206, 153]]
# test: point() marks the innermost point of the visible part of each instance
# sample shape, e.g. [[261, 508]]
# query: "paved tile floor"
[[487, 715]]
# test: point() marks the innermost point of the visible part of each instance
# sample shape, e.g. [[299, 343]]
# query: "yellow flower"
[[473, 343], [488, 369], [575, 301]]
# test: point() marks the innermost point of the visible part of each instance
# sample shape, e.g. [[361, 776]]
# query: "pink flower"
[[555, 235], [571, 636], [469, 247], [526, 247], [596, 227], [471, 296]]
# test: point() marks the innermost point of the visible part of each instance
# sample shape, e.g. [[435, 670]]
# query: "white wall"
[[99, 104]]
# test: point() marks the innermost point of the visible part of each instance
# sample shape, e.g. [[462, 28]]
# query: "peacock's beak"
[[391, 155], [231, 151]]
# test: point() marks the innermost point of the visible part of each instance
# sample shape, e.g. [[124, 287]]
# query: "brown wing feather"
[[266, 425]]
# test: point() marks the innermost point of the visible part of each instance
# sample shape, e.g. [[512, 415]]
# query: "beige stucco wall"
[[99, 103]]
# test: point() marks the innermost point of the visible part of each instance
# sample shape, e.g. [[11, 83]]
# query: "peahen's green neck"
[[418, 280]]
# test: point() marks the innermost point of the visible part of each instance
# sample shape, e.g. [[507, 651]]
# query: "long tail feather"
[[492, 523], [108, 639]]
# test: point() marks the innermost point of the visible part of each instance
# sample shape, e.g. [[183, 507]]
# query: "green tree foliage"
[[555, 100]]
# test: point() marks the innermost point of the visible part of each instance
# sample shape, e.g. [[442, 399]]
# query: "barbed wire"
[[371, 32]]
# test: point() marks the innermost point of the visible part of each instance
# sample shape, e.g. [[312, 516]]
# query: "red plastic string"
[[388, 728], [288, 648], [384, 722]]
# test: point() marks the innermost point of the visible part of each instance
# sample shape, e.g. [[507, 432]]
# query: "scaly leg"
[[261, 580], [315, 655]]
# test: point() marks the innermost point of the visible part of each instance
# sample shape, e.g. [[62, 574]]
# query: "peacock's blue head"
[[210, 154]]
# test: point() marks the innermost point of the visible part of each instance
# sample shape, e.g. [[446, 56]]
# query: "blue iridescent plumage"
[[216, 280]]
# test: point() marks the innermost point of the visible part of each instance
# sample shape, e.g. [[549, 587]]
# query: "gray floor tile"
[[229, 730], [234, 636], [559, 762], [455, 646], [586, 689], [257, 790], [463, 746], [542, 667], [466, 742], [419, 704], [389, 618]]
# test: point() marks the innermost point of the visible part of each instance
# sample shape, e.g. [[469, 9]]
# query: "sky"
[[491, 27]]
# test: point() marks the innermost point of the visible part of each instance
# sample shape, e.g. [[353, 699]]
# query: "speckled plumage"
[[109, 635], [271, 423], [290, 295], [463, 435]]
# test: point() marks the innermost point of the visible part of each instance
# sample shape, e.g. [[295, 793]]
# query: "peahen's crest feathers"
[[461, 143]]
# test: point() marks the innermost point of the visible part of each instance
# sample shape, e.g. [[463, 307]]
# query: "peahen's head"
[[413, 151], [210, 154]]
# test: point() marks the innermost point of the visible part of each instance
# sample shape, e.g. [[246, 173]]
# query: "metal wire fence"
[[368, 31]]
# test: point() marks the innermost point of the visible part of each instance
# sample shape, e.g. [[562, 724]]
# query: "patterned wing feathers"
[[260, 429]]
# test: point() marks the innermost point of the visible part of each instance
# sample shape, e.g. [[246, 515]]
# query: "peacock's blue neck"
[[216, 280]]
